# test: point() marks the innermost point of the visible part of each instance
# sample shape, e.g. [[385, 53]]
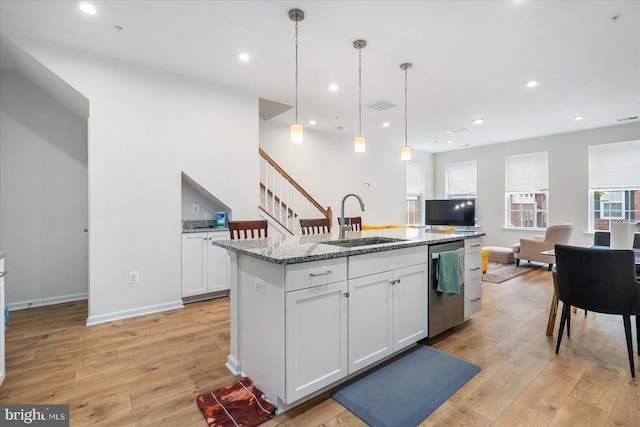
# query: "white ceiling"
[[470, 59]]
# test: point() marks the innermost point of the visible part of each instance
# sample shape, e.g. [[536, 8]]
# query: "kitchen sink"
[[366, 241]]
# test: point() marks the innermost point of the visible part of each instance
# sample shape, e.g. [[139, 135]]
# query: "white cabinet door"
[[370, 319], [409, 305], [316, 338], [194, 264], [472, 299], [217, 263], [472, 276]]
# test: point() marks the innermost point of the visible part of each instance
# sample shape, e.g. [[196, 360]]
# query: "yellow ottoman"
[[485, 259]]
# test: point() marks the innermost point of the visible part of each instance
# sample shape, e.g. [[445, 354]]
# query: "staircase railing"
[[283, 199]]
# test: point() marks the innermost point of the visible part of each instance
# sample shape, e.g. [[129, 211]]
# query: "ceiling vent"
[[458, 130], [381, 105], [626, 119]]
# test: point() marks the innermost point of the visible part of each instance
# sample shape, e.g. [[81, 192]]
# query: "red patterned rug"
[[237, 405]]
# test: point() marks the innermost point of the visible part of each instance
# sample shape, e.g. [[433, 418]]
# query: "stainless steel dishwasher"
[[445, 310]]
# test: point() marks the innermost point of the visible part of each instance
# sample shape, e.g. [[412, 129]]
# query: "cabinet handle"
[[394, 282], [474, 246], [346, 294], [320, 274], [475, 268], [2, 275], [475, 299]]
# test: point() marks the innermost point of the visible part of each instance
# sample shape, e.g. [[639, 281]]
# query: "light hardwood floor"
[[149, 370]]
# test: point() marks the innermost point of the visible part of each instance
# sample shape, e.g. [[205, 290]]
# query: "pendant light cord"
[[296, 72], [405, 107], [360, 92]]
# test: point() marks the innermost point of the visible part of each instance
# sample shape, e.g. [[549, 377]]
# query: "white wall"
[[43, 195], [145, 128], [327, 167], [208, 208], [568, 179]]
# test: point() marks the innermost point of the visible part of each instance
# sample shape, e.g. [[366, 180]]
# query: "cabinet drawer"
[[472, 268], [472, 245], [309, 274], [472, 299], [378, 262]]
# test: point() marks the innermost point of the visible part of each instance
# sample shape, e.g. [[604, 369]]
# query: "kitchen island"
[[310, 311]]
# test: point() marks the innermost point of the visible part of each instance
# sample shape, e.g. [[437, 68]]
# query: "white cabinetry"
[[388, 309], [306, 326], [205, 268], [370, 319], [316, 337], [472, 276]]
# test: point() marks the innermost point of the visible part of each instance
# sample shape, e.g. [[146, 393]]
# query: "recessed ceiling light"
[[333, 87], [532, 83], [385, 124], [449, 142], [312, 122], [578, 118], [478, 121], [87, 8], [244, 57]]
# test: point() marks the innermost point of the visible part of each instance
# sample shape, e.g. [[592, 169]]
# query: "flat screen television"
[[450, 212]]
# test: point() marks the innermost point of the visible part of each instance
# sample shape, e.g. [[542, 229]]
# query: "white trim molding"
[[141, 311], [21, 305]]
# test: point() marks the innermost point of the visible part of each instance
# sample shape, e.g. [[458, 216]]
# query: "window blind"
[[415, 178], [462, 177], [527, 173], [614, 166]]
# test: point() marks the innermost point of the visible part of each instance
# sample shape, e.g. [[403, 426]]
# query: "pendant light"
[[296, 15], [360, 141], [405, 151]]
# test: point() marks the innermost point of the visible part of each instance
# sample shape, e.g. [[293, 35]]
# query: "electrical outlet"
[[260, 286], [134, 277], [195, 208]]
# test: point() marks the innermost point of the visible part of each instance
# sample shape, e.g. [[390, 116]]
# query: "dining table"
[[553, 310]]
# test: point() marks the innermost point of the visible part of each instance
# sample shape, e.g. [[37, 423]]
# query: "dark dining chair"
[[315, 226], [601, 281], [355, 222], [247, 229], [601, 238]]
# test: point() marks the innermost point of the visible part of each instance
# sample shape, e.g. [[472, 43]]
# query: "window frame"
[[533, 183], [613, 168]]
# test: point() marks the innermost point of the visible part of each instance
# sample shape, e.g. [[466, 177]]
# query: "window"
[[462, 180], [526, 190], [614, 184], [413, 209], [612, 205], [415, 191]]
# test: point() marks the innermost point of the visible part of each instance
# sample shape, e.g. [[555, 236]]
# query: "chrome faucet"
[[344, 227]]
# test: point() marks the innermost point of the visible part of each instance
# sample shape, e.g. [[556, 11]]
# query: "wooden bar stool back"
[[355, 222], [315, 226], [248, 229]]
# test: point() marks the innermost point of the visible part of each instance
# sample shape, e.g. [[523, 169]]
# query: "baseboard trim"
[[141, 311], [46, 301]]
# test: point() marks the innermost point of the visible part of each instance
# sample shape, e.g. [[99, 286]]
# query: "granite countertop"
[[204, 229], [304, 248], [3, 254]]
